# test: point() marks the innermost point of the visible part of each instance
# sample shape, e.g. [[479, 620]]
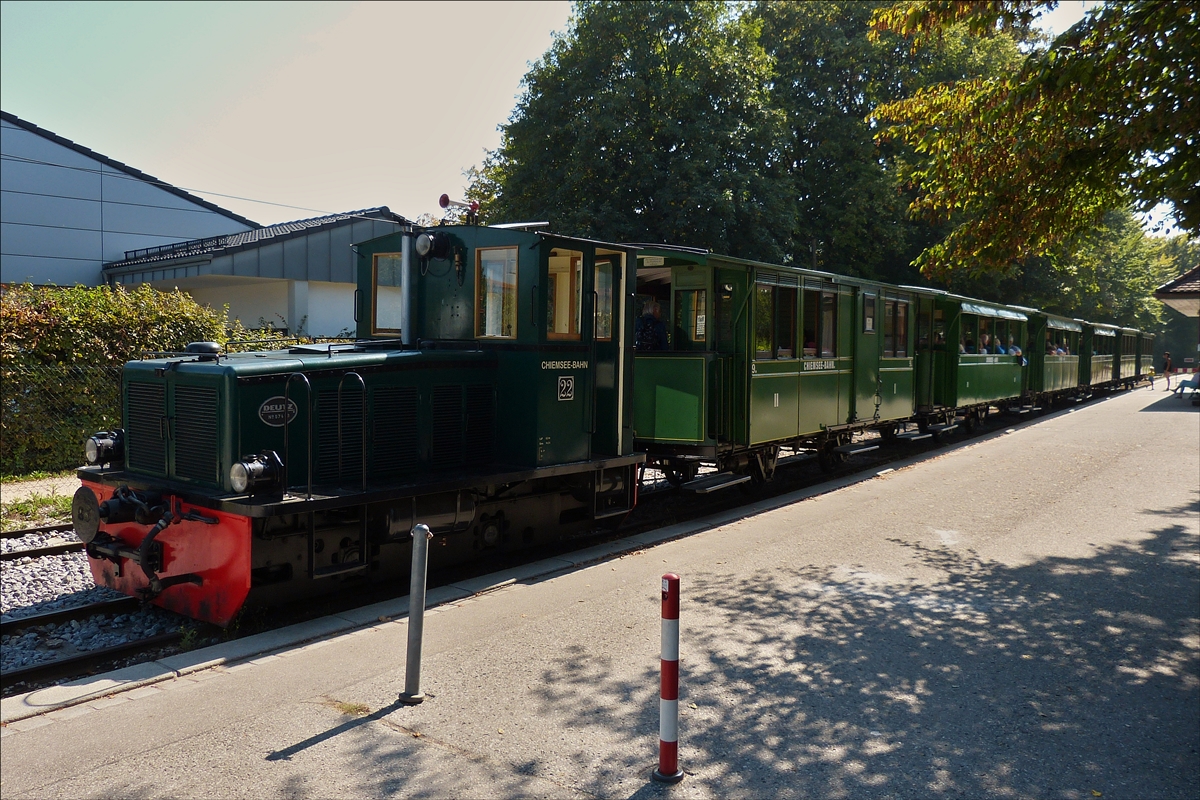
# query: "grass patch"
[[37, 509], [350, 709], [38, 475]]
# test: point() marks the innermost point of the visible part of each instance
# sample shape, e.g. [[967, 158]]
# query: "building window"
[[389, 299], [496, 293]]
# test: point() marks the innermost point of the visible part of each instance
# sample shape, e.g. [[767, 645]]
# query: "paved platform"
[[1016, 617]]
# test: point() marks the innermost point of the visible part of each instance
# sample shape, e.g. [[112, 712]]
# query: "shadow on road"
[[1057, 679]]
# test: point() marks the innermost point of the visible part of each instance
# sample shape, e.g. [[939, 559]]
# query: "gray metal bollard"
[[412, 694]]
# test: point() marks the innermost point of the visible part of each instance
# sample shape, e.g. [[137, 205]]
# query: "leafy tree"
[[1102, 117], [647, 122], [830, 75]]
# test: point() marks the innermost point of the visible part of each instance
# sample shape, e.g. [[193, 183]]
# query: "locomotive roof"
[[304, 358]]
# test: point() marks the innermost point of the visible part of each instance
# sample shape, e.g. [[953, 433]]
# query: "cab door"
[[609, 336]]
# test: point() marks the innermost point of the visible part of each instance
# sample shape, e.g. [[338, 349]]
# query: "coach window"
[[691, 322], [564, 291], [889, 328], [820, 324], [764, 322], [604, 300], [968, 330], [939, 328], [901, 330], [496, 292], [868, 313], [389, 300], [785, 322]]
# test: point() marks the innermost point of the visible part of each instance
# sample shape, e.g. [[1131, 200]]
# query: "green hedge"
[[61, 352]]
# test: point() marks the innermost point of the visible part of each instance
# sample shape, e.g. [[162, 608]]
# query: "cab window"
[[604, 300], [496, 293], [387, 269], [564, 291]]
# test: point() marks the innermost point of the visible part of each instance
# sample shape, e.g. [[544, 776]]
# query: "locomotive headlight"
[[432, 245], [105, 447], [424, 244], [256, 473]]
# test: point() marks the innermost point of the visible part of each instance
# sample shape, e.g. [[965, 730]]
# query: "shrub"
[[61, 352]]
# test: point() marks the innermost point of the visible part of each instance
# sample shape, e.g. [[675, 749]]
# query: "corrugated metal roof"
[[128, 170], [267, 234]]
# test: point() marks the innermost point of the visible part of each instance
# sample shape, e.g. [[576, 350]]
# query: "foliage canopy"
[[1105, 116]]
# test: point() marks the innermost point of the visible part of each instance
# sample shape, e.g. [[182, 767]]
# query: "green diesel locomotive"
[[488, 395]]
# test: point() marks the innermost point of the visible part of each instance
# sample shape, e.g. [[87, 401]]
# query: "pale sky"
[[325, 106], [329, 106]]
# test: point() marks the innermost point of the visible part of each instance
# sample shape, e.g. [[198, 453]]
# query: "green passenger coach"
[[760, 356]]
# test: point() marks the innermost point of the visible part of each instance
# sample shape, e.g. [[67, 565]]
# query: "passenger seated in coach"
[[983, 344], [810, 343], [1013, 348], [998, 349], [970, 347]]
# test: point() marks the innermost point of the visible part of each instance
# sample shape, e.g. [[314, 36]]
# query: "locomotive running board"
[[713, 483]]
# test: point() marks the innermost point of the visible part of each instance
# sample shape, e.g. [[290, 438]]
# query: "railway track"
[[53, 548], [797, 471]]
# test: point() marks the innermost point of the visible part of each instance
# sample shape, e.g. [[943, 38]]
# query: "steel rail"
[[57, 528], [73, 666], [38, 552], [119, 605]]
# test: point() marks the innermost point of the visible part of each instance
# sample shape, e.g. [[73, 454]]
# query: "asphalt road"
[[1018, 617]]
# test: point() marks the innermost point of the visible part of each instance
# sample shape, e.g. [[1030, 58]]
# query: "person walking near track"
[[1168, 368]]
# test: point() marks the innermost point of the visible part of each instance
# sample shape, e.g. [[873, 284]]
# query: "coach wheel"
[[828, 457], [678, 476]]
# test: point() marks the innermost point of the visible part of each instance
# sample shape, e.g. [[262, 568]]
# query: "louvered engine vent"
[[196, 433], [145, 440], [350, 447], [481, 426], [394, 431], [447, 450]]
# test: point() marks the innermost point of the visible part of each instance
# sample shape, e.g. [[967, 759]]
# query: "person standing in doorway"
[[650, 333]]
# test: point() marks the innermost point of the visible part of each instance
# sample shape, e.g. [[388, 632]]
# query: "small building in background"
[[66, 210], [299, 276]]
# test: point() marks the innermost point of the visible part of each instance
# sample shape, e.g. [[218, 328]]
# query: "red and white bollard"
[[668, 703]]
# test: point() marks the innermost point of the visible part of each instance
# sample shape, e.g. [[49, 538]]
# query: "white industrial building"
[[66, 210], [294, 275], [73, 216]]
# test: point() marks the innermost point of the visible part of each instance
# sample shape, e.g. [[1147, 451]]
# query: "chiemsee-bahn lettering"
[[812, 365]]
